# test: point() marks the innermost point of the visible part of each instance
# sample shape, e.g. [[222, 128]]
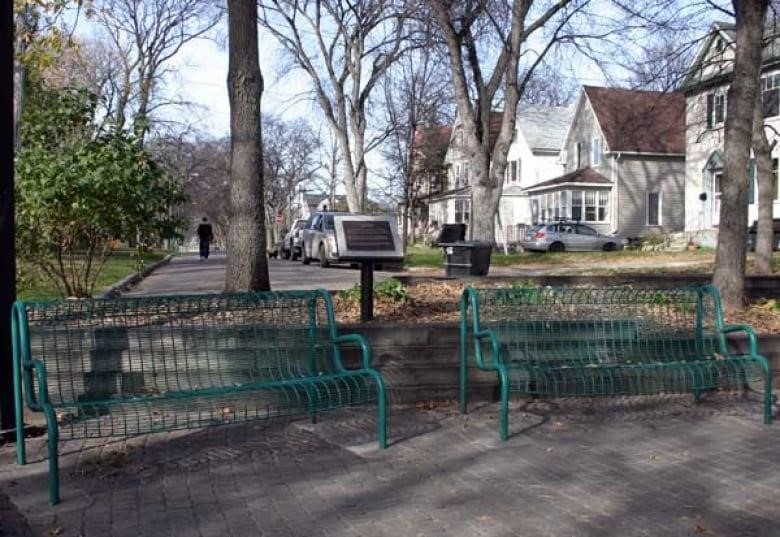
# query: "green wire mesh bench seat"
[[107, 368], [563, 342]]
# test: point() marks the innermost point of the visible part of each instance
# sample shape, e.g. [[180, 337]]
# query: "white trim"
[[643, 153], [568, 184]]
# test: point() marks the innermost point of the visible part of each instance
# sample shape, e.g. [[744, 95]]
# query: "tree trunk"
[[247, 265], [764, 184], [729, 275]]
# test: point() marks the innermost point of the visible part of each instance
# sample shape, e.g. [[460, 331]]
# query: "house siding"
[[638, 175], [583, 129]]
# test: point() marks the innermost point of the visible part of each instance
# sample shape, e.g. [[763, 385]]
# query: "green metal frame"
[[132, 366], [609, 341]]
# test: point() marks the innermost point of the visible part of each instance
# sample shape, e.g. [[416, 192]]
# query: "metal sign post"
[[366, 291]]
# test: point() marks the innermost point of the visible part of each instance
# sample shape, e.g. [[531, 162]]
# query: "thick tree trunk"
[[764, 184], [247, 265], [729, 275]]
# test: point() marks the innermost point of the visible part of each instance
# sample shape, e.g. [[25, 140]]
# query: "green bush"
[[390, 288]]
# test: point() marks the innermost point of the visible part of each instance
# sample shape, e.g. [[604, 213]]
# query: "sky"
[[202, 67]]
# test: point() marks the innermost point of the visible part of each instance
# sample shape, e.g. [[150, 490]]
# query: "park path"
[[188, 274]]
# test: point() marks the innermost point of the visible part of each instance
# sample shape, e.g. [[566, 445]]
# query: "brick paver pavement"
[[636, 467]]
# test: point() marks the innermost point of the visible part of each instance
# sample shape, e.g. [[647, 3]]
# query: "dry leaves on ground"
[[439, 301]]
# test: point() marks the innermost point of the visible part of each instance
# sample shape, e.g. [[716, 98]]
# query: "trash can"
[[467, 258], [753, 230]]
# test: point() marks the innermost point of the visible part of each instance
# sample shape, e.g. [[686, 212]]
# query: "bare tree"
[[145, 36], [247, 265], [729, 276], [478, 90], [549, 87], [290, 160], [417, 97], [765, 187], [344, 47]]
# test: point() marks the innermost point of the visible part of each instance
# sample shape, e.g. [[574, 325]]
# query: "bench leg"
[[504, 410], [463, 369], [21, 450], [767, 396], [381, 407], [54, 467], [696, 396]]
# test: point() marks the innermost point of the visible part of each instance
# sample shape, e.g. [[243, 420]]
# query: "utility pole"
[[7, 249]]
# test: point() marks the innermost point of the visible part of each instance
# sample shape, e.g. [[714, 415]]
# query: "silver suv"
[[569, 235], [319, 239], [291, 243]]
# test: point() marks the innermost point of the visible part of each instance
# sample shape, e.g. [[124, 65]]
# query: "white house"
[[705, 87], [533, 157]]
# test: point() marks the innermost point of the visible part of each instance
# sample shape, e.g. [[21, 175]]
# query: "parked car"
[[569, 235], [319, 239], [290, 247]]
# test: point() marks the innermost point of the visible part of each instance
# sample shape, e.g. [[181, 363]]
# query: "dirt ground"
[[439, 301]]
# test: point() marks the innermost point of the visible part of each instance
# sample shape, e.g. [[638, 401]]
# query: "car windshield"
[[300, 224], [328, 221]]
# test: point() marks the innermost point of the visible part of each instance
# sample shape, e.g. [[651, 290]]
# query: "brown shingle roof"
[[640, 121], [583, 175]]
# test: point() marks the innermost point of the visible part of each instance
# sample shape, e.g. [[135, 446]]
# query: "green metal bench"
[[609, 341], [106, 368]]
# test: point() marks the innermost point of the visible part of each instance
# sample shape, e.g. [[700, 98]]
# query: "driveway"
[[188, 274]]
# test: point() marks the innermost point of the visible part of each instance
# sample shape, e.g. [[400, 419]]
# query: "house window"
[[514, 171], [576, 205], [603, 205], [590, 205], [719, 45], [595, 151], [462, 210], [466, 173], [774, 178], [578, 162], [456, 182], [653, 208], [716, 109], [770, 94]]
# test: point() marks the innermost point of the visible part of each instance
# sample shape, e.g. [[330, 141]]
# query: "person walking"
[[205, 236]]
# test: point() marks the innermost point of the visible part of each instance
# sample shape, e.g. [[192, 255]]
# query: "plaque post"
[[366, 291]]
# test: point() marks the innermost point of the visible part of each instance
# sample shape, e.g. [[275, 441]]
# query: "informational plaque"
[[365, 238]]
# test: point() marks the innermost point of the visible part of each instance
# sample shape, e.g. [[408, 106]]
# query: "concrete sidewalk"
[[622, 468]]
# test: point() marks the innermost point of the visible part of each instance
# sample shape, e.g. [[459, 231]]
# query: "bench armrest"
[[749, 334], [360, 341], [495, 348]]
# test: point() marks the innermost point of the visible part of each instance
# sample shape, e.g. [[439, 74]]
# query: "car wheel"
[[305, 259], [610, 247], [286, 254], [557, 247], [323, 258], [295, 254]]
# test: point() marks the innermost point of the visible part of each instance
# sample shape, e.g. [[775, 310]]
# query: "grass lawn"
[[424, 256], [120, 264]]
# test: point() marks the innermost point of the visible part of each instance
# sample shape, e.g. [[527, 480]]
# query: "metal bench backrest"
[[597, 326], [141, 347]]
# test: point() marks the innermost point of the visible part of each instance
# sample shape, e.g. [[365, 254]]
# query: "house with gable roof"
[[705, 88], [533, 156], [624, 164]]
